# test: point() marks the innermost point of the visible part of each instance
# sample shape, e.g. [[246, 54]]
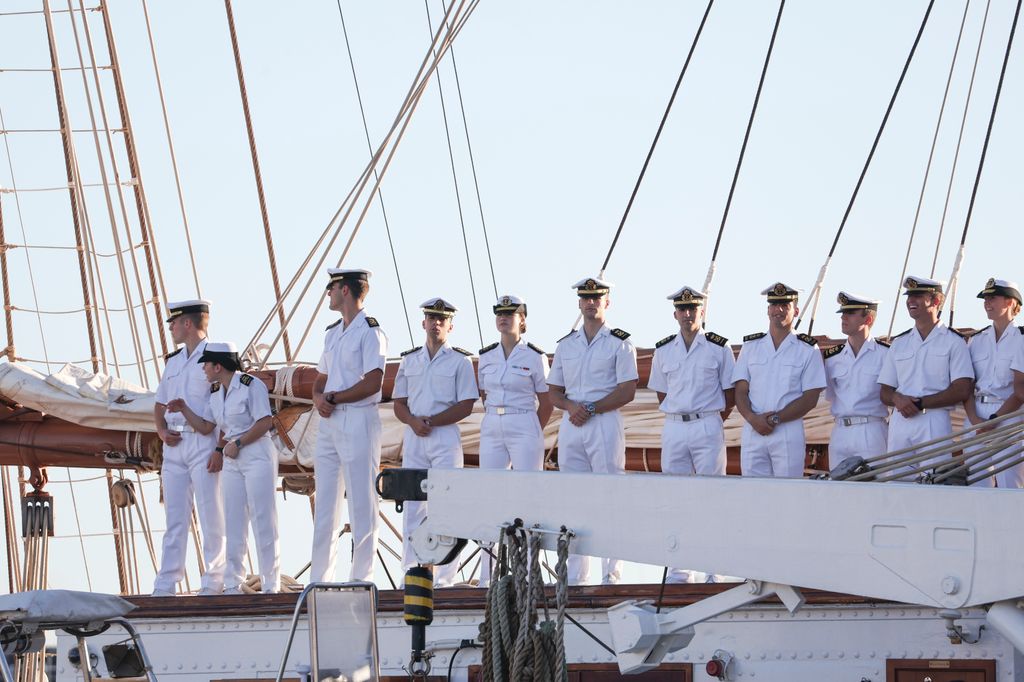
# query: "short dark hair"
[[199, 320], [357, 287]]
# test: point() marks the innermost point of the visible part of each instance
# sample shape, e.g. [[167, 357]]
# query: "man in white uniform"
[[435, 388], [779, 376], [851, 372], [926, 372], [240, 407], [592, 375], [346, 394], [992, 352], [190, 464], [692, 375]]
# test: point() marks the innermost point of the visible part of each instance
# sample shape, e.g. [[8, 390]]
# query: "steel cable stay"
[[455, 185], [739, 161], [380, 190], [953, 280], [931, 157], [815, 295], [459, 17]]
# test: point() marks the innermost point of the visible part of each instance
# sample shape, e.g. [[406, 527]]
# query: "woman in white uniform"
[[992, 352], [240, 406], [513, 385]]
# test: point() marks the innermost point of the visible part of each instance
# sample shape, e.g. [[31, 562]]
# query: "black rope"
[[988, 137], [746, 135], [455, 183], [874, 144], [380, 193], [657, 135]]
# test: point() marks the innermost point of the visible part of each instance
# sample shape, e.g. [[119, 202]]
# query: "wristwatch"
[[238, 443], [329, 397], [219, 449], [919, 403], [774, 419], [993, 416], [591, 408]]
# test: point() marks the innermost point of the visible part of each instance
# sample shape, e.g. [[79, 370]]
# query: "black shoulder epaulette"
[[488, 348], [620, 334], [332, 325], [462, 350], [901, 334], [883, 344], [172, 354], [214, 387], [716, 339], [571, 332], [808, 339], [411, 350], [667, 339], [834, 350], [372, 322], [246, 379], [960, 334], [535, 349], [753, 337], [1021, 328]]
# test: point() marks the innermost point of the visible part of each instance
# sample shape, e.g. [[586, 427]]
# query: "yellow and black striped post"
[[419, 607]]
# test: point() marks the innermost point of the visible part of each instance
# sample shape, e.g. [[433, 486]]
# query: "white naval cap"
[[438, 306], [922, 285], [687, 296], [509, 304], [225, 354], [592, 287], [192, 305], [339, 274], [1001, 287], [780, 292], [848, 302]]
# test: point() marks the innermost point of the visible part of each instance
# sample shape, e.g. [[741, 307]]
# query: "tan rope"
[[9, 350], [78, 525]]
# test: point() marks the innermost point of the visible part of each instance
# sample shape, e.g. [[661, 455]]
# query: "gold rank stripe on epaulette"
[[667, 339], [620, 334], [883, 344], [372, 322], [808, 339], [332, 325], [246, 379], [571, 332], [834, 350], [411, 350], [214, 387], [489, 348], [172, 354], [716, 339], [462, 350], [535, 349], [753, 337]]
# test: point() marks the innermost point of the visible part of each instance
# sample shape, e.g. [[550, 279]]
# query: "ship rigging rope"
[[657, 136], [459, 15], [173, 157], [815, 294], [455, 185], [981, 162], [78, 525], [380, 191]]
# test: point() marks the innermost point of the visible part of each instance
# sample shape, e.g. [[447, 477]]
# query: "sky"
[[561, 101]]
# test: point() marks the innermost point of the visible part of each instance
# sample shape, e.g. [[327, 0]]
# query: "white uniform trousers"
[[1007, 478], [688, 448], [442, 449], [780, 454], [906, 433], [857, 440], [508, 439], [183, 475], [346, 460], [598, 446], [249, 482]]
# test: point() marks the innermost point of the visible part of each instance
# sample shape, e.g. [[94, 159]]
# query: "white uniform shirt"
[[852, 380], [184, 377], [351, 351], [992, 360], [918, 367], [778, 377], [432, 385], [1017, 364], [516, 380], [236, 409], [692, 380], [589, 372]]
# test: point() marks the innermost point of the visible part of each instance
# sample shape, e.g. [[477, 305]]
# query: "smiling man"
[[926, 372]]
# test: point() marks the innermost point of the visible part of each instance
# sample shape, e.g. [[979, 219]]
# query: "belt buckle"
[[686, 417], [179, 428], [847, 421], [499, 411]]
